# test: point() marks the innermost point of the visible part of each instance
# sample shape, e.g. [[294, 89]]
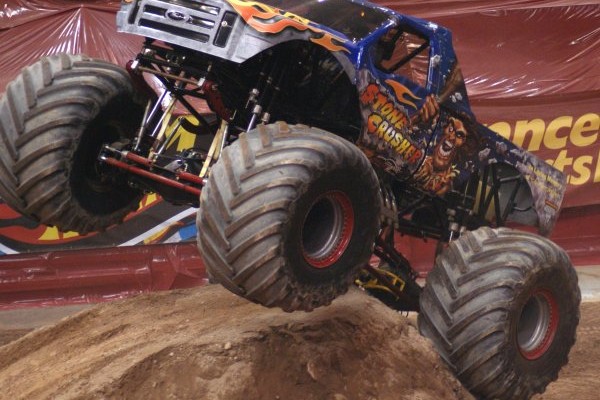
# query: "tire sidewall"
[[555, 280], [365, 209]]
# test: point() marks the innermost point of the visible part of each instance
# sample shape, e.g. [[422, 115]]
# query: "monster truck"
[[336, 127]]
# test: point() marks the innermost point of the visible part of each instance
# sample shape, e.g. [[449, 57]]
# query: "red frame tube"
[[144, 161], [156, 177]]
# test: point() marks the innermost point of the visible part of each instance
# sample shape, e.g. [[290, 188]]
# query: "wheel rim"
[[327, 229], [538, 324]]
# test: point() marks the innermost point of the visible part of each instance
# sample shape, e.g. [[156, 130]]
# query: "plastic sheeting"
[[30, 30], [94, 275], [530, 52], [515, 49]]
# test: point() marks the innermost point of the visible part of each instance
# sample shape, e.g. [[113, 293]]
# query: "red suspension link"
[[158, 178], [180, 174]]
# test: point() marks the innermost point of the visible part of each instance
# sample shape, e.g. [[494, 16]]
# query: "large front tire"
[[502, 307], [54, 118], [288, 216]]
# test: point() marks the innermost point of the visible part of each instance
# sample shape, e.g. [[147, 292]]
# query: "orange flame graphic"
[[400, 90], [272, 20], [327, 41]]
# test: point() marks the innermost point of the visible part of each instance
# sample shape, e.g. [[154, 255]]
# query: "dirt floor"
[[208, 344]]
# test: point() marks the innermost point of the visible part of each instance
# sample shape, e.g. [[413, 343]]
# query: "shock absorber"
[[263, 96]]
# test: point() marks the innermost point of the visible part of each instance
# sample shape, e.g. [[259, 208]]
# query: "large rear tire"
[[288, 216], [502, 307], [54, 118]]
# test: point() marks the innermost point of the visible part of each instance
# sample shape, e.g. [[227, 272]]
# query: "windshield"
[[353, 20]]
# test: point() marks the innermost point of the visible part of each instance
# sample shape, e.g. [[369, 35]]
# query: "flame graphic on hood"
[[267, 19]]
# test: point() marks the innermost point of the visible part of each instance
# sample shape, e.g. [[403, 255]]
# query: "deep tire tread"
[[255, 213], [291, 182], [220, 237], [240, 248], [43, 113], [248, 270], [292, 162], [471, 296], [249, 194]]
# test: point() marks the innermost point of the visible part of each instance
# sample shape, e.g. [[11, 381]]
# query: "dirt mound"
[[208, 344]]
